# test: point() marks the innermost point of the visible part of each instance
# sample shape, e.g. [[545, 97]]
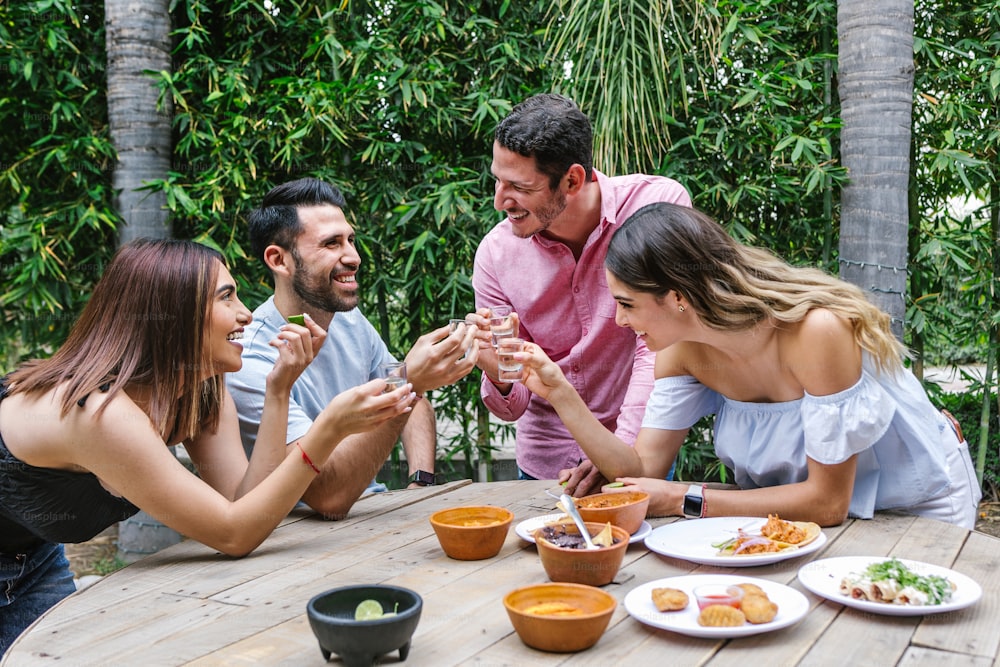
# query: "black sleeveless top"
[[48, 505]]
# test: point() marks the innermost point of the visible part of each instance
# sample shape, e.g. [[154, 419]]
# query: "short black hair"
[[276, 222], [552, 129]]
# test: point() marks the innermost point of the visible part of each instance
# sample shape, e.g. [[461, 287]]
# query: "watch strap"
[[423, 478]]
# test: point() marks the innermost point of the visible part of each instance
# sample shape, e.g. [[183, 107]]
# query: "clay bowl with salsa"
[[566, 558], [472, 533], [626, 508], [559, 617]]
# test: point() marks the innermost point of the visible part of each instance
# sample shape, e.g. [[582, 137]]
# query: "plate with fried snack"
[[764, 606], [526, 529], [736, 541]]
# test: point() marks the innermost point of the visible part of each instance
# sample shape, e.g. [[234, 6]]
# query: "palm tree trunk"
[[876, 94], [138, 42]]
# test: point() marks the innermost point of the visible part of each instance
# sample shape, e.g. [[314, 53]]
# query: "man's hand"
[[438, 358], [582, 480], [480, 321]]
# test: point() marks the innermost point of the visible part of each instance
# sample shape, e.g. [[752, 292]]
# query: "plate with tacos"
[[736, 541]]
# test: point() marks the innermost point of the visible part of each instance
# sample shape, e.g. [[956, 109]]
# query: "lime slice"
[[368, 610], [297, 319]]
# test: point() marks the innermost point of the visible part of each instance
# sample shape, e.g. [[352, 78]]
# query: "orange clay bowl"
[[472, 533], [559, 633], [583, 566], [626, 509]]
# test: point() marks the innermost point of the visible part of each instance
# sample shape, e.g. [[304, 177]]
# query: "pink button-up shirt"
[[566, 308]]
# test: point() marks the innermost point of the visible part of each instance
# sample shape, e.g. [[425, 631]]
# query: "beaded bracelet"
[[305, 457], [704, 502]]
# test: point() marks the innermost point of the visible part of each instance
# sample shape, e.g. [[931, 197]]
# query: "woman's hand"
[[363, 408], [297, 346], [665, 498], [541, 375]]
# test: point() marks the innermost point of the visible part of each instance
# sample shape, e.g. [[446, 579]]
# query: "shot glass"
[[501, 323], [453, 325], [509, 370], [394, 374]]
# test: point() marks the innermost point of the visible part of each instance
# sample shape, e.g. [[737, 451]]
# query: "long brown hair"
[[143, 326], [732, 287]]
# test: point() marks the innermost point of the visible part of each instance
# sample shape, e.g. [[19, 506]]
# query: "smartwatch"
[[423, 478], [694, 502]]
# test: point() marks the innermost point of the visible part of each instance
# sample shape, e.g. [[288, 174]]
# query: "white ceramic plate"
[[692, 540], [822, 577], [792, 606], [526, 529]]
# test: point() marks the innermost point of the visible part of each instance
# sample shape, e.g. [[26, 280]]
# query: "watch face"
[[692, 505]]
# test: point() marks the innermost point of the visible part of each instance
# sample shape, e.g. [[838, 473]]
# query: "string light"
[[894, 269], [873, 288]]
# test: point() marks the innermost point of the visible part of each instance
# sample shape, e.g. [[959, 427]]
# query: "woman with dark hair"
[[84, 433], [814, 412]]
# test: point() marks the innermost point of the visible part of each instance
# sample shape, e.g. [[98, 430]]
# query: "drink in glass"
[[453, 325], [394, 374], [509, 370], [501, 323]]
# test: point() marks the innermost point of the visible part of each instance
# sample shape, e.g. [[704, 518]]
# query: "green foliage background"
[[396, 103]]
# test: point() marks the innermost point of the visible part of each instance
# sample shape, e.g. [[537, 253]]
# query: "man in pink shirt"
[[546, 260]]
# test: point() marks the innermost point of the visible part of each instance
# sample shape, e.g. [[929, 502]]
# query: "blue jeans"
[[29, 584]]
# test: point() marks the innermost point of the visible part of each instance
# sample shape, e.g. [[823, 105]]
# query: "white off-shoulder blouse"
[[908, 454]]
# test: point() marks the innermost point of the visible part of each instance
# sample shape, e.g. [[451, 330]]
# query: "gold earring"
[[680, 308]]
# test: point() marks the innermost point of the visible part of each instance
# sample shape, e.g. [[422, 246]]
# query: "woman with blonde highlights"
[[84, 434], [814, 412]]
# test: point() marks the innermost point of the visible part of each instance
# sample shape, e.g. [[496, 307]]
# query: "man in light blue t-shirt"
[[301, 234]]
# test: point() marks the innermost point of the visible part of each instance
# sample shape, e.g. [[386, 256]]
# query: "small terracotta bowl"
[[583, 566], [590, 611], [626, 509], [472, 533]]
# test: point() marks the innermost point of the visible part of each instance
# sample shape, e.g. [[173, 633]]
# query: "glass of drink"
[[453, 325], [509, 370], [394, 374], [501, 323]]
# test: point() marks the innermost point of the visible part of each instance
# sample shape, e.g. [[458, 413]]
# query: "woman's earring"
[[680, 308]]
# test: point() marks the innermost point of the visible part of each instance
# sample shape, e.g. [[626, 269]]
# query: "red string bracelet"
[[305, 457]]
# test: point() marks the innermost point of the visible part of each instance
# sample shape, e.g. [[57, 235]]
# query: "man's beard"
[[319, 293], [548, 213]]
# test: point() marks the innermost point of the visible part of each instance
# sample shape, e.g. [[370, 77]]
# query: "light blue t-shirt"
[[349, 357], [908, 456]]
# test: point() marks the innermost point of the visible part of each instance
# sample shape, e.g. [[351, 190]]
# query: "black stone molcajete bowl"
[[360, 643]]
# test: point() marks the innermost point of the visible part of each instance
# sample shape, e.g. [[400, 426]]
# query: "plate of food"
[[890, 586], [673, 604], [736, 541], [526, 529]]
